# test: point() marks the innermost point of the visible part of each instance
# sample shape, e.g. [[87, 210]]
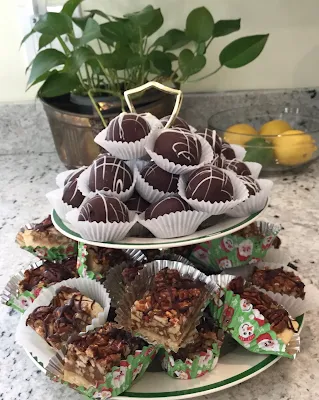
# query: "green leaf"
[[27, 36], [199, 25], [41, 78], [136, 60], [44, 61], [226, 26], [91, 32], [258, 150], [115, 31], [80, 22], [142, 18], [172, 40], [99, 13], [70, 6], [155, 23], [160, 63], [55, 24], [117, 60], [78, 58], [242, 51], [59, 83], [190, 64], [201, 48], [44, 40], [171, 56]]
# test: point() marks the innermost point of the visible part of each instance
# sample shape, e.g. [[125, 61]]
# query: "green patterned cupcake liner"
[[59, 253], [191, 368], [82, 267], [116, 382], [233, 250], [247, 325]]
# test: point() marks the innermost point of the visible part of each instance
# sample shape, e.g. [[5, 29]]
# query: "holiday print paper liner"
[[128, 150], [35, 344], [116, 382], [100, 231], [83, 186], [144, 281], [191, 368], [62, 176], [61, 208], [294, 306], [58, 253], [247, 325], [82, 267], [253, 203], [173, 225], [207, 157], [233, 250], [218, 207]]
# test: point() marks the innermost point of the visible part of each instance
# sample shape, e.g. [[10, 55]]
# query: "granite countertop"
[[27, 177]]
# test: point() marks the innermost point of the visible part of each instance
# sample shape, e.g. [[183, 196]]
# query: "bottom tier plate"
[[235, 367]]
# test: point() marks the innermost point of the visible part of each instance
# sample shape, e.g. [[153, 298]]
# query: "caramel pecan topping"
[[130, 273], [43, 225]]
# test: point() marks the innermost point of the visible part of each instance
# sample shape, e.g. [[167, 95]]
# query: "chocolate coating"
[[110, 173], [137, 203], [127, 127], [227, 151], [102, 208], [159, 179], [251, 184], [213, 139], [209, 184], [74, 175], [179, 146], [167, 205], [178, 123], [72, 195], [237, 166]]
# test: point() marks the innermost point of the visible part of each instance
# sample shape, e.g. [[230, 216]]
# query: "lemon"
[[274, 128], [239, 134], [294, 147]]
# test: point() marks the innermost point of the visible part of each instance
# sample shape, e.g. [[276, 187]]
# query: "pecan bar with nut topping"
[[101, 259], [165, 313], [69, 312], [91, 356]]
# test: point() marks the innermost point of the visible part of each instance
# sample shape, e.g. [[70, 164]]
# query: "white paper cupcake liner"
[[147, 191], [254, 168], [253, 203], [61, 177], [127, 150], [207, 157], [216, 208], [35, 344], [55, 199], [138, 230], [173, 225], [83, 186], [240, 151], [101, 231]]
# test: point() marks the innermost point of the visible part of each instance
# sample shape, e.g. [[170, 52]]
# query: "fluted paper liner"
[[294, 305], [119, 379], [233, 250], [143, 282], [83, 186], [100, 231], [136, 255], [253, 203], [218, 207], [254, 168], [173, 225], [61, 177], [35, 344], [61, 208], [128, 150], [246, 324], [240, 151], [207, 156]]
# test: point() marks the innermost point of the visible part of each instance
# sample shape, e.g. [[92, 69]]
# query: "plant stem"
[[96, 107], [88, 76], [209, 42], [64, 46], [206, 76]]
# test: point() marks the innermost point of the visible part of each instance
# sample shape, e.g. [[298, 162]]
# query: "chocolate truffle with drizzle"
[[159, 179], [102, 208], [127, 127]]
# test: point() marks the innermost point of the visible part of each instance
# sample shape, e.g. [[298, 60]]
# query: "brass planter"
[[74, 133]]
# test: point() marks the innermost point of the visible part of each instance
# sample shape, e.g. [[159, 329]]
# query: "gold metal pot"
[[74, 133]]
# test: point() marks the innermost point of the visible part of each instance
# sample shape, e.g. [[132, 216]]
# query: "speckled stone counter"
[[26, 176]]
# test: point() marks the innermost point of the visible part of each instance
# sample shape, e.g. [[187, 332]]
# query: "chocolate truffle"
[[72, 195], [213, 139], [178, 123], [127, 127], [110, 173], [209, 184], [179, 146], [137, 203], [237, 166], [219, 161], [251, 184], [159, 179], [227, 151], [167, 205], [102, 208], [74, 175]]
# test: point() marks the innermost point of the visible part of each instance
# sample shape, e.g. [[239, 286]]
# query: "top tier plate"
[[222, 228]]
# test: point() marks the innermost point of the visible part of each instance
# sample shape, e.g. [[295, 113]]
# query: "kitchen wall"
[[290, 58]]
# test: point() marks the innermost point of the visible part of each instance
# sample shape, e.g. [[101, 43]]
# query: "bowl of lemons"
[[280, 138]]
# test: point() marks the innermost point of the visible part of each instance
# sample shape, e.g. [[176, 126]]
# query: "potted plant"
[[82, 84]]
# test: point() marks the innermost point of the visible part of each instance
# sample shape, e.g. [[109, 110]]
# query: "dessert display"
[[72, 195], [69, 312], [239, 167], [251, 184], [102, 208], [167, 205], [213, 139], [101, 259], [159, 179], [137, 204], [127, 128]]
